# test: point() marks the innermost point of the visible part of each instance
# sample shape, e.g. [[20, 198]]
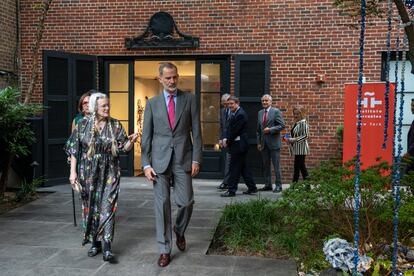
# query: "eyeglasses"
[[83, 103]]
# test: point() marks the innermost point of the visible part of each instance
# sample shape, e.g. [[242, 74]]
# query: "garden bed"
[[318, 209], [10, 201]]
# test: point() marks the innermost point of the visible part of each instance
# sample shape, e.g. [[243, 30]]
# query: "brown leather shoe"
[[180, 240], [164, 260]]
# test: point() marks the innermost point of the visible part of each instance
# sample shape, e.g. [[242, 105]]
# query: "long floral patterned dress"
[[98, 176]]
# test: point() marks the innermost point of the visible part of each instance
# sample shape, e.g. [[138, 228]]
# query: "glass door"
[[210, 85], [119, 86]]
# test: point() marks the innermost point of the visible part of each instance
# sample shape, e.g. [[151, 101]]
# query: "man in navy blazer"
[[269, 125], [236, 140]]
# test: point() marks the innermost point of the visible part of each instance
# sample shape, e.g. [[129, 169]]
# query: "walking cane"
[[73, 203], [74, 211]]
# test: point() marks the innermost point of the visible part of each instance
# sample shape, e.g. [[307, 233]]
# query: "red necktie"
[[265, 118], [171, 111]]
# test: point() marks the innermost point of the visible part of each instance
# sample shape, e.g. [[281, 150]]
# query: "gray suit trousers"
[[183, 197], [273, 156]]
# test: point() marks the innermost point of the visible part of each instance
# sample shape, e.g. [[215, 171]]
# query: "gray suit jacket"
[[224, 123], [159, 141], [276, 124]]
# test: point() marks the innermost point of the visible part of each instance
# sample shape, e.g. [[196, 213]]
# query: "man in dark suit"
[[236, 140], [224, 122], [269, 125], [171, 153]]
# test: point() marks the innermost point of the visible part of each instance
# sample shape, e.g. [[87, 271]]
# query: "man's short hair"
[[168, 65], [225, 97], [234, 98], [267, 96]]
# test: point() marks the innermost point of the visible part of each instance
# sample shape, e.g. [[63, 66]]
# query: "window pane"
[[119, 105], [210, 77], [210, 132], [210, 107], [118, 77]]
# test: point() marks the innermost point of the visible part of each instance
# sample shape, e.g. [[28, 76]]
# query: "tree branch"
[[35, 50], [409, 30]]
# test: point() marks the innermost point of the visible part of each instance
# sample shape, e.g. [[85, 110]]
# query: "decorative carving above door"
[[162, 32]]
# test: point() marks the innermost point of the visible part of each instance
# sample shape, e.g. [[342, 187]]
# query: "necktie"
[[265, 118], [171, 111]]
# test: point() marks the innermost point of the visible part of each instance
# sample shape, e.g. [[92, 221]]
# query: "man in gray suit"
[[171, 153], [224, 124], [269, 125]]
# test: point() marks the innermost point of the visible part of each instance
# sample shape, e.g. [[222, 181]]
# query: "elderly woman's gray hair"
[[93, 101]]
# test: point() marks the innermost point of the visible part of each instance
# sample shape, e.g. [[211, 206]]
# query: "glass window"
[[119, 105], [118, 92], [408, 95], [118, 77]]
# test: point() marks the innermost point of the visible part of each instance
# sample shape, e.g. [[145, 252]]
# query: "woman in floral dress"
[[97, 140]]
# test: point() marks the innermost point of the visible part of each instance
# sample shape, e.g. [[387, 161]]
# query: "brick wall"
[[303, 39], [8, 42]]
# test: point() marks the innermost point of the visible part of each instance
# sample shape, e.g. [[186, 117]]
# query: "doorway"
[[131, 83], [146, 86]]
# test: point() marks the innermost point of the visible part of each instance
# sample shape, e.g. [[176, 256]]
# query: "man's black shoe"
[[228, 194], [222, 186], [277, 189], [249, 192], [265, 188]]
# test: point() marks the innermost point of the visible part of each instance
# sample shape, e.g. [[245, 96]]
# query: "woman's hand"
[[131, 140], [73, 177], [133, 137], [291, 140]]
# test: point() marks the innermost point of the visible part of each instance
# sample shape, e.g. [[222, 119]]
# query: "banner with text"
[[372, 123]]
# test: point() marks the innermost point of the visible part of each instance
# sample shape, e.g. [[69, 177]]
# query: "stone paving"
[[40, 238]]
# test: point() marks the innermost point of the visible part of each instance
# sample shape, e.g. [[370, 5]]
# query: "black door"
[[212, 78], [66, 77], [252, 77]]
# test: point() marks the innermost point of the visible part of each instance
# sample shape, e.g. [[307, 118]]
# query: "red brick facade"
[[303, 38], [8, 41]]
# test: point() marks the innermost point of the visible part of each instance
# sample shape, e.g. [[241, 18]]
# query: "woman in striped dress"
[[298, 141]]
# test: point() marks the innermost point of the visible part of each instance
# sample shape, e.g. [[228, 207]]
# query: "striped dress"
[[300, 132]]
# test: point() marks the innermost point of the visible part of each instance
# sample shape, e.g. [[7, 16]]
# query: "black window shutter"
[[252, 75]]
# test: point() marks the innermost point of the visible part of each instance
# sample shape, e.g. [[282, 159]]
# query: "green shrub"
[[28, 189], [323, 206], [248, 226], [317, 209], [15, 133]]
